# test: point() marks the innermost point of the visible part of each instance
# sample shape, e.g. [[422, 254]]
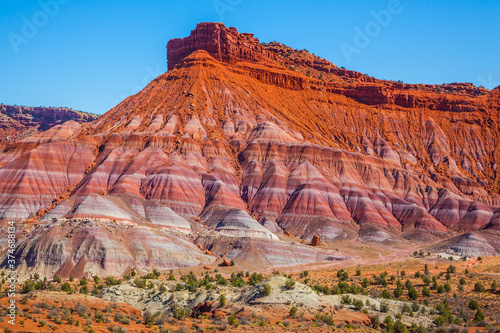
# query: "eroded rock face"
[[84, 247], [472, 244], [230, 144]]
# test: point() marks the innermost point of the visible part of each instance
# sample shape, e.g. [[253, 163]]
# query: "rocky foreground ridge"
[[244, 149]]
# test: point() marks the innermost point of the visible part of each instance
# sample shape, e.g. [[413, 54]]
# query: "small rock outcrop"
[[203, 309], [316, 241], [225, 263]]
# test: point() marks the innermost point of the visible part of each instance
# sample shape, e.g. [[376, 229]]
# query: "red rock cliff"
[[251, 142], [223, 44]]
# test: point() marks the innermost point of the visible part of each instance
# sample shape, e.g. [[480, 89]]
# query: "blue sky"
[[89, 54]]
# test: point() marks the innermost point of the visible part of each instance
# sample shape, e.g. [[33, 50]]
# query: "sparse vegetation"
[[222, 300], [111, 281], [479, 287], [289, 284], [67, 287], [358, 304], [266, 289], [178, 313], [441, 292]]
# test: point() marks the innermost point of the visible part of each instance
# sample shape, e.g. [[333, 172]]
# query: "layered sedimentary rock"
[[85, 248], [223, 44], [471, 244], [232, 142]]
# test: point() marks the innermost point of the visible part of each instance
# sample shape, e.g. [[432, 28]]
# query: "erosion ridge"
[[234, 150]]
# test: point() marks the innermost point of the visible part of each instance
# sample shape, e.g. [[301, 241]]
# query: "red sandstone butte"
[[239, 141]]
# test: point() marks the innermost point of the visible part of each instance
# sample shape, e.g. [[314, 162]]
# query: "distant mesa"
[[19, 122]]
